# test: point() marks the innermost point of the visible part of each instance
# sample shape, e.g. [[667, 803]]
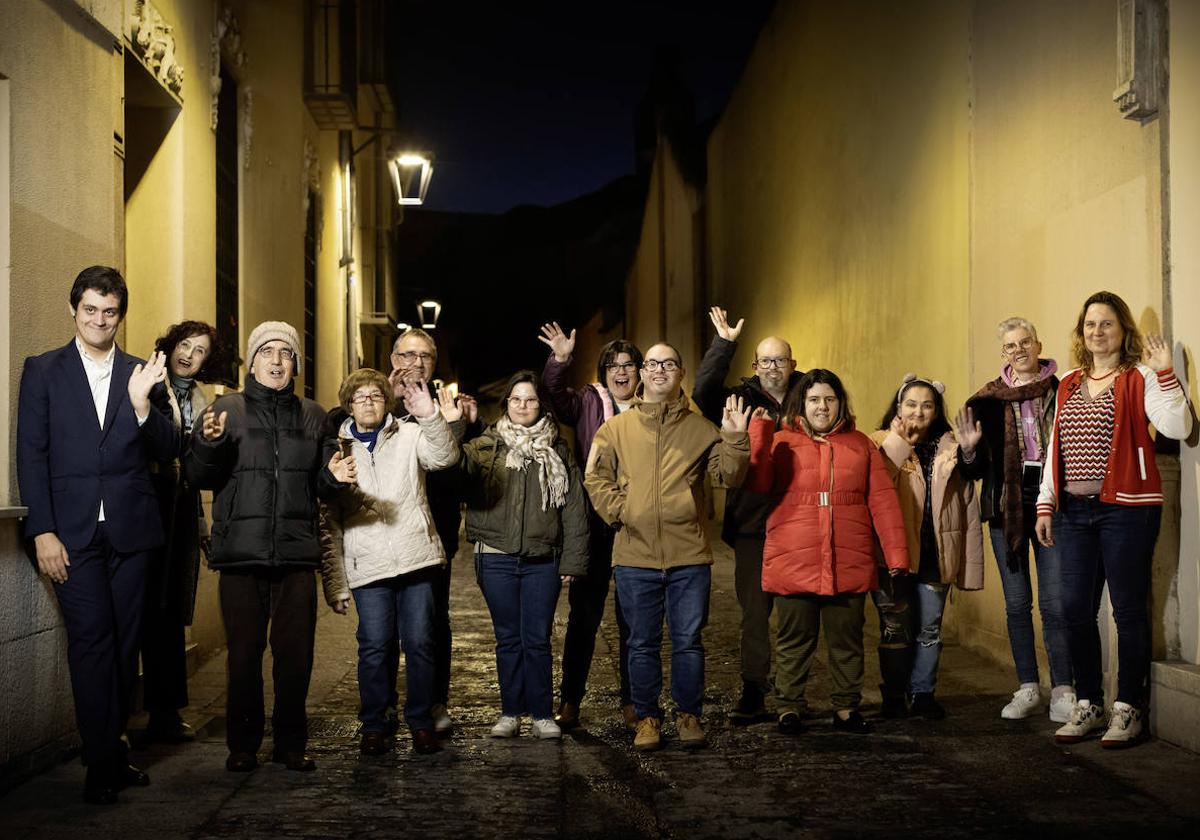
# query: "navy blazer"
[[66, 463]]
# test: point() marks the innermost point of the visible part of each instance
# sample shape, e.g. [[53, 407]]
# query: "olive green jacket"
[[504, 507]]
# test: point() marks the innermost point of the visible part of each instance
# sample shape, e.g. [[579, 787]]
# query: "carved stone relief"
[[154, 43]]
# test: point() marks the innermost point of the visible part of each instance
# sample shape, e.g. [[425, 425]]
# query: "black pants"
[[164, 658], [586, 598], [101, 604], [283, 603]]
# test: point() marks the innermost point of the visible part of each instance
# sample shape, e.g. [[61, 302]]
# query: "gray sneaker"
[[1084, 721]]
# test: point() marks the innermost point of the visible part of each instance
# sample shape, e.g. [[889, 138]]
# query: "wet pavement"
[[971, 774]]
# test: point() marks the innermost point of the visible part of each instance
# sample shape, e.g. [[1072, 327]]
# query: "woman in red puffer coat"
[[833, 495]]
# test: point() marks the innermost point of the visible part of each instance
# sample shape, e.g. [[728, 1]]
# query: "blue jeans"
[[399, 608], [682, 594], [521, 594], [1018, 606], [1101, 542], [930, 599]]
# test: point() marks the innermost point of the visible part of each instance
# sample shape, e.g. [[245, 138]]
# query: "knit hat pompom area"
[[273, 331]]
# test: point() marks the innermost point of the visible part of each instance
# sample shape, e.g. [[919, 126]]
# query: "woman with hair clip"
[[195, 355], [1101, 504], [831, 497], [934, 474], [527, 518]]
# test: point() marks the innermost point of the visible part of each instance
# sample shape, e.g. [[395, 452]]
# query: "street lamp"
[[411, 172], [403, 327], [430, 310]]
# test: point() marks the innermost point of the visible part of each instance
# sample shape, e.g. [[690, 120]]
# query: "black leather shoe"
[[297, 761], [169, 731], [241, 762], [374, 743], [126, 775], [425, 741], [789, 724], [749, 707], [99, 788], [923, 705], [893, 708], [854, 723]]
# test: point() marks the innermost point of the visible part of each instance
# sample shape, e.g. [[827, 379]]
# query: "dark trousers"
[[1098, 543], [756, 612], [801, 618], [586, 597], [164, 657], [282, 603], [101, 604], [894, 600]]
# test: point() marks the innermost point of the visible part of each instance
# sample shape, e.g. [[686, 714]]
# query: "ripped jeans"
[[910, 633]]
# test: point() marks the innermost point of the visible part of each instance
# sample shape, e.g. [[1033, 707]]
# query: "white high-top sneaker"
[[546, 729], [1086, 718], [1124, 727], [507, 726], [1025, 701]]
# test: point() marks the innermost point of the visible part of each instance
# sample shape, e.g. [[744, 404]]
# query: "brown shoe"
[[374, 743], [649, 734], [425, 742], [567, 716], [691, 734], [630, 715]]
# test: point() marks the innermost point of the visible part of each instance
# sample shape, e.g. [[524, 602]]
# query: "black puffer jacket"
[[266, 472], [745, 511]]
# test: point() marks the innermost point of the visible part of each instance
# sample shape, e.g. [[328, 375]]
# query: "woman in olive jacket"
[[527, 518]]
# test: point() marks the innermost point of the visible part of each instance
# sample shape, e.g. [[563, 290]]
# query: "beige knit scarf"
[[536, 443]]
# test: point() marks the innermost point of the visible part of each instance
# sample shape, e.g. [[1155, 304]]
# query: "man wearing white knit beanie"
[[260, 451]]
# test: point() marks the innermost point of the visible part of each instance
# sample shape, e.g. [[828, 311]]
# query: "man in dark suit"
[[90, 420]]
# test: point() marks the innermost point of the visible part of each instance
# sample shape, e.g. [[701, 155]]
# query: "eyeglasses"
[[411, 356], [363, 399], [519, 402], [282, 353], [666, 365], [623, 366], [1010, 348], [767, 364]]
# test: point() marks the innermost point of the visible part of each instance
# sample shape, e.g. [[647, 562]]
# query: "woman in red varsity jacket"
[[1101, 503]]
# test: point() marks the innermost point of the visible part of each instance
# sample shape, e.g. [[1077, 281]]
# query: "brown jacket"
[[955, 507], [645, 477]]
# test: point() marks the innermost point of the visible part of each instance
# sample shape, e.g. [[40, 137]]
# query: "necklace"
[[1102, 378]]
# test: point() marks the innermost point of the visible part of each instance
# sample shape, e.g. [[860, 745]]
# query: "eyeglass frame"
[[613, 367], [779, 362], [411, 356], [285, 354], [374, 397], [522, 402], [1025, 343], [651, 365]]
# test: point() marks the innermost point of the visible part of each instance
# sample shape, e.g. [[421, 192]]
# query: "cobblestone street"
[[970, 774]]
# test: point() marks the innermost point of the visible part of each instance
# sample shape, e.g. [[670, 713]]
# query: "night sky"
[[533, 103]]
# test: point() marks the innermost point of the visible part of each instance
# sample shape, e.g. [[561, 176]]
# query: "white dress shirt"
[[99, 377]]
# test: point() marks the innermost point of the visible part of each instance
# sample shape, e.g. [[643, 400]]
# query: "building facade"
[[230, 158]]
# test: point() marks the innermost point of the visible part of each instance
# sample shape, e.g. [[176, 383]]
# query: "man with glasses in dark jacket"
[[745, 523]]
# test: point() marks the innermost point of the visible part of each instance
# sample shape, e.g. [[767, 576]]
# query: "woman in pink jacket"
[[832, 496]]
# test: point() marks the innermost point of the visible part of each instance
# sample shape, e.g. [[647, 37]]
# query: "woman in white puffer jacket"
[[380, 546]]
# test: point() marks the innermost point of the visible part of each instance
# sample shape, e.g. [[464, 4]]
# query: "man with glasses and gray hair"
[[414, 359], [745, 524]]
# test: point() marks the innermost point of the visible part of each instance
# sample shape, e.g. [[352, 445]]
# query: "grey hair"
[[417, 332], [1016, 323]]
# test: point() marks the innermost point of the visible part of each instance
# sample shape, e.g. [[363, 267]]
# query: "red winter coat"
[[832, 496]]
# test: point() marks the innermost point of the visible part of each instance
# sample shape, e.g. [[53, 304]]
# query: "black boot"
[[750, 706], [923, 705]]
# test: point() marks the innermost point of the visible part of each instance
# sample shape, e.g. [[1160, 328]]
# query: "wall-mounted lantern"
[[403, 327], [430, 311], [411, 172]]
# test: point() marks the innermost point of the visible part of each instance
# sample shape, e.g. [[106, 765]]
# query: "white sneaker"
[[1124, 727], [507, 727], [1084, 721], [1024, 703], [546, 729], [441, 719], [1061, 706]]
